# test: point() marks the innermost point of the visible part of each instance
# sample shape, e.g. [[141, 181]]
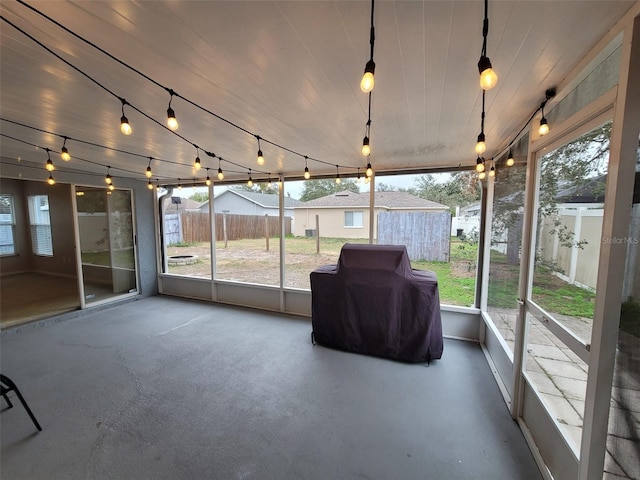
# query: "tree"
[[460, 190], [576, 166], [200, 197], [321, 188], [269, 189]]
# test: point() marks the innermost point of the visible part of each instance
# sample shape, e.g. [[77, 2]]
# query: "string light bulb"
[[306, 175], [49, 165], [107, 178], [150, 185], [338, 180], [492, 170], [482, 175], [358, 179], [368, 81], [369, 170], [148, 172], [64, 153], [488, 77], [366, 148], [51, 180], [125, 127], [208, 180], [544, 127], [179, 185], [479, 165], [260, 156], [481, 146], [510, 160], [220, 174], [196, 163], [250, 181], [111, 187], [172, 123]]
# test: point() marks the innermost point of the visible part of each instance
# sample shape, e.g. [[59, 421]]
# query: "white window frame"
[[8, 248], [353, 218], [40, 225]]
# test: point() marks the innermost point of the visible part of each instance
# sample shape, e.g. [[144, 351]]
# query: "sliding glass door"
[[107, 242]]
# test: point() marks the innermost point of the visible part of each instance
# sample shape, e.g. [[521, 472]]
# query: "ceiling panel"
[[286, 71]]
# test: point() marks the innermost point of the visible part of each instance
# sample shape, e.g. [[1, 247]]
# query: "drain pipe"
[[163, 244]]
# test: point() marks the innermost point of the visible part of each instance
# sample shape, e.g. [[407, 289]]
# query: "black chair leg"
[[12, 386], [26, 407], [6, 399]]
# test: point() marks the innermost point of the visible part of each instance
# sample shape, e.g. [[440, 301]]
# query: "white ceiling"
[[286, 71]]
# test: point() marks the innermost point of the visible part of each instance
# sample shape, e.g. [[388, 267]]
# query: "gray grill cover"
[[374, 303]]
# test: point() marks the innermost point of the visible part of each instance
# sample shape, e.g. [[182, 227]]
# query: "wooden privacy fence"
[[427, 235], [195, 226]]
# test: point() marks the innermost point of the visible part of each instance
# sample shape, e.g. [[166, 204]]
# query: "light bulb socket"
[[370, 67], [484, 64]]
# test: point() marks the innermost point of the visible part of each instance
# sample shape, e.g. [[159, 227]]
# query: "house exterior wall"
[[241, 206], [331, 222]]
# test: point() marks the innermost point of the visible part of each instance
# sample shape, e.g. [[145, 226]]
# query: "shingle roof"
[[264, 199], [383, 200]]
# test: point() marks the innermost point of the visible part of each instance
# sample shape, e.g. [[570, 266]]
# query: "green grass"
[[549, 291], [456, 278]]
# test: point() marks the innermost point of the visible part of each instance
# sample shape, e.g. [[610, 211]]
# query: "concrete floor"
[[167, 388]]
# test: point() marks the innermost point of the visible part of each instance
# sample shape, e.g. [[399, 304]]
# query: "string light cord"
[[106, 89], [549, 94], [74, 157], [171, 91]]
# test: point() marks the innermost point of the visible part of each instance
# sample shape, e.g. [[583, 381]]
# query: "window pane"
[[325, 208], [506, 242], [436, 216], [187, 231], [7, 223], [41, 242], [569, 229], [560, 377], [248, 233]]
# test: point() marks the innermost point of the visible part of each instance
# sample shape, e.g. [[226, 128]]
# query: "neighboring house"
[[240, 202], [346, 214], [179, 204]]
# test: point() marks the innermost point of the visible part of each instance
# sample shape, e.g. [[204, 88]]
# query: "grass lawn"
[[249, 261]]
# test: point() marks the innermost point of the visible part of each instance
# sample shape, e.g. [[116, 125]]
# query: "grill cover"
[[374, 303]]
